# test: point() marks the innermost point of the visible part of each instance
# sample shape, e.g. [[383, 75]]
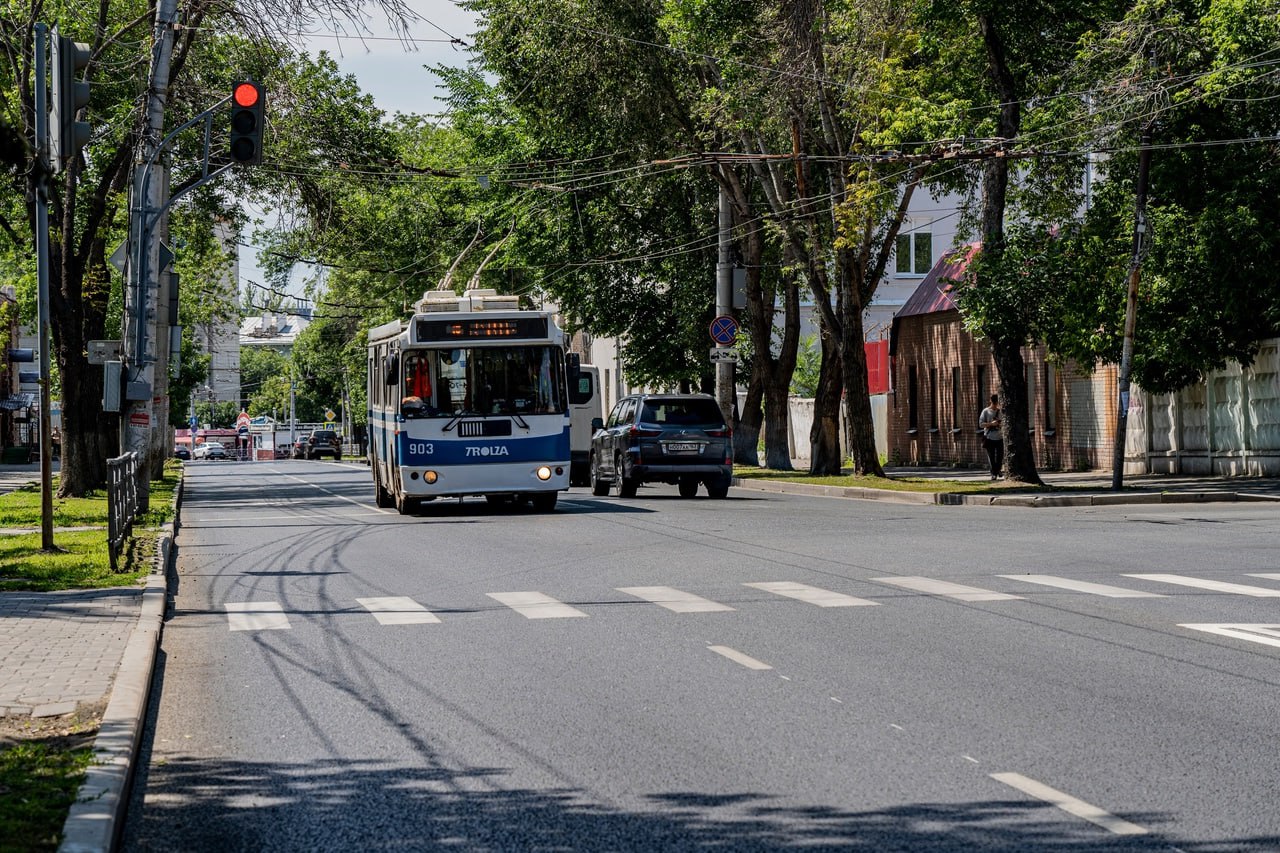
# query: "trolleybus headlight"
[[544, 473], [430, 477]]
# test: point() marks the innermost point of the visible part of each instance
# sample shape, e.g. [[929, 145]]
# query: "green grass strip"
[[38, 784]]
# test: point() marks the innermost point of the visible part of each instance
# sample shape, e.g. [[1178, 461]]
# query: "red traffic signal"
[[246, 94], [247, 102]]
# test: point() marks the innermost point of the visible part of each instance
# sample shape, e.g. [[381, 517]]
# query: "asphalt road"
[[653, 699]]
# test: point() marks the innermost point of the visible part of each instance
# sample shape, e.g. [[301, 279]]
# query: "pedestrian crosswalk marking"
[[1268, 635], [675, 600], [1083, 586], [812, 594], [256, 616], [1215, 586], [398, 610], [535, 605], [929, 586]]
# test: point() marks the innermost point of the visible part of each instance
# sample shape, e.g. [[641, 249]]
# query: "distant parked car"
[[680, 439], [323, 442], [181, 452], [211, 450]]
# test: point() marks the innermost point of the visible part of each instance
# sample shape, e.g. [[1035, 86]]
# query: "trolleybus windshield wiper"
[[459, 415]]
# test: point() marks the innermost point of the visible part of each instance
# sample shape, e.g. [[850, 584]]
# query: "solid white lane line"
[[362, 504], [738, 657], [1267, 635], [1271, 576], [398, 610], [256, 616], [812, 594], [535, 605], [1215, 586], [674, 600], [1083, 586], [1069, 804], [929, 586]]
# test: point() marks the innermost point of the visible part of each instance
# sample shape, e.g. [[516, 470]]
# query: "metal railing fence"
[[122, 502]]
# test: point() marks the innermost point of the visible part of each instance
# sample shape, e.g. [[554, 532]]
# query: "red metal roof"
[[933, 294]]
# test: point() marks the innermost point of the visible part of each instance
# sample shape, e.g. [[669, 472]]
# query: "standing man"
[[992, 441]]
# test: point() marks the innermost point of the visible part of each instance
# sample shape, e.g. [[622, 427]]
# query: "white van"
[[584, 405]]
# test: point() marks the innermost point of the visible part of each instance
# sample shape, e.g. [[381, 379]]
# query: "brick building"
[[942, 376]]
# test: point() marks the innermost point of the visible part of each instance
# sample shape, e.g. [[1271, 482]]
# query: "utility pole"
[[1140, 242], [724, 302], [149, 192]]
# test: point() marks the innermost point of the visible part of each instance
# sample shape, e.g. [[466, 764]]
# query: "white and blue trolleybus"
[[469, 397]]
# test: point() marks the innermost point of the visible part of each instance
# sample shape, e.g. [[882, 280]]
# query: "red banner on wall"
[[877, 366]]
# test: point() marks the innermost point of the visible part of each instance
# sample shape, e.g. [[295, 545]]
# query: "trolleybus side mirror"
[[391, 369], [572, 367]]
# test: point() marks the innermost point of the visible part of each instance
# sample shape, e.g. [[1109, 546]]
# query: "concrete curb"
[[989, 500], [93, 821]]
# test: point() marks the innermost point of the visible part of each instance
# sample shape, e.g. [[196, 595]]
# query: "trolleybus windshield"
[[517, 380]]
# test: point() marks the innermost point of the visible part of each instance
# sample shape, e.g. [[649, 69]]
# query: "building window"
[[914, 253], [955, 399], [933, 399], [1050, 398], [983, 397], [913, 388]]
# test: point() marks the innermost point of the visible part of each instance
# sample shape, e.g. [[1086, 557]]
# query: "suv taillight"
[[637, 432], [720, 433]]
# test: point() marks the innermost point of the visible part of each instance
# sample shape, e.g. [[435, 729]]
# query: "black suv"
[[323, 442], [679, 439]]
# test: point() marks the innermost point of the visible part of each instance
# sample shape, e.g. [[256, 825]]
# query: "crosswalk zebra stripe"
[[535, 605], [929, 586], [256, 616], [1215, 586], [1268, 635], [398, 610], [812, 594], [675, 600], [1083, 586]]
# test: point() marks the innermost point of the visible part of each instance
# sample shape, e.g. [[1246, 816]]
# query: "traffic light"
[[247, 102], [66, 135]]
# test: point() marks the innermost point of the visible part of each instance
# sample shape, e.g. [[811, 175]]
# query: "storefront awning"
[[18, 401]]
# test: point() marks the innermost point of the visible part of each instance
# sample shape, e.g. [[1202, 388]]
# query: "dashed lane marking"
[[739, 658], [1070, 804]]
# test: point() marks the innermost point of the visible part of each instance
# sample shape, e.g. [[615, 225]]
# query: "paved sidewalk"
[[61, 648], [1079, 488]]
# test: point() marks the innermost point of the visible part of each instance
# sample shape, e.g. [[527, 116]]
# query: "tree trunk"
[[825, 456], [853, 361], [746, 432], [1019, 453], [88, 438], [1019, 459], [777, 417]]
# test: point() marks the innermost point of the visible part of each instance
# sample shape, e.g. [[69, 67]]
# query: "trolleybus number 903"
[[419, 448]]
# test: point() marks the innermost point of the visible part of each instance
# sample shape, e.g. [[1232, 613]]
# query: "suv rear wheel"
[[688, 488], [626, 485]]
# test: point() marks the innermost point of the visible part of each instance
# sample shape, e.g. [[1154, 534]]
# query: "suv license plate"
[[682, 447]]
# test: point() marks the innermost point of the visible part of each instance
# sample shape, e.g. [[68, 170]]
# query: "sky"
[[395, 72]]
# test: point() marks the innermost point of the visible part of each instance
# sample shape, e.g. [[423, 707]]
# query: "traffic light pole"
[[42, 284], [136, 430]]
